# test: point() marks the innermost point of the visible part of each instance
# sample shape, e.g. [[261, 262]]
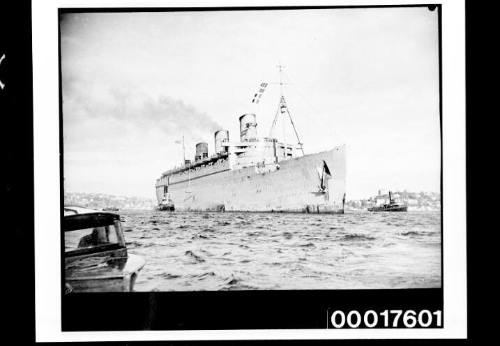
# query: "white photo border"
[[47, 180]]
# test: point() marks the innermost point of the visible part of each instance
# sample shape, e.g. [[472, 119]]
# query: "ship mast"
[[283, 108]]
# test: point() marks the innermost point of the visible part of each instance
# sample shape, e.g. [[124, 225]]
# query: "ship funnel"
[[221, 136], [201, 151], [248, 127]]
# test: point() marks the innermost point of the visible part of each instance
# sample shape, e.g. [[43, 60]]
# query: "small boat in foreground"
[[95, 254], [391, 206]]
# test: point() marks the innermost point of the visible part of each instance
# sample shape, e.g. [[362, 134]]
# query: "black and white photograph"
[[217, 153], [247, 150]]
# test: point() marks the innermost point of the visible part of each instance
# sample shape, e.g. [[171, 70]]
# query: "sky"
[[135, 83]]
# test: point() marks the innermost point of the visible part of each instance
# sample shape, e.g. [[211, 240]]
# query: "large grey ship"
[[258, 174]]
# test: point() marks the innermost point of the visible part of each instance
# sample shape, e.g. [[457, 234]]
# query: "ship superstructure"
[[258, 174]]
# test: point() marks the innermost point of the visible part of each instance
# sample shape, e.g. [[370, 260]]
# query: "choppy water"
[[239, 251]]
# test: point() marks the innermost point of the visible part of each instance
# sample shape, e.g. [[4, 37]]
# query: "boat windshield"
[[90, 238]]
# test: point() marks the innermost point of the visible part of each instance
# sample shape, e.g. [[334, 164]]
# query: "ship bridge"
[[260, 151]]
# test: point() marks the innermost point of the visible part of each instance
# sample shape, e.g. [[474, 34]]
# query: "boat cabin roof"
[[80, 218]]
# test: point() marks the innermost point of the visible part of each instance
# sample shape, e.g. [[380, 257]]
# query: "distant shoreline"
[[417, 201]]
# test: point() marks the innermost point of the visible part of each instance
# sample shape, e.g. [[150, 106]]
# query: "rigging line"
[[293, 124], [183, 150], [283, 129], [275, 120], [294, 129]]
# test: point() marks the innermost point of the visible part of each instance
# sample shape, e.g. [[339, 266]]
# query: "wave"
[[197, 258], [202, 275], [355, 236], [169, 276], [199, 236], [252, 234], [233, 283], [267, 247], [410, 233]]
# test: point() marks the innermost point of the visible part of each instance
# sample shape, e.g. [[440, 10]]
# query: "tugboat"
[[391, 206], [166, 203]]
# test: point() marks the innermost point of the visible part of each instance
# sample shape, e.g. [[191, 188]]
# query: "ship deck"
[[199, 163]]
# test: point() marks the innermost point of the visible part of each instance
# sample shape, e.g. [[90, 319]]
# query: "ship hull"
[[393, 209], [295, 186], [170, 207]]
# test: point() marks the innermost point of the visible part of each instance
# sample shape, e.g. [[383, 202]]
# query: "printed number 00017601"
[[386, 319]]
